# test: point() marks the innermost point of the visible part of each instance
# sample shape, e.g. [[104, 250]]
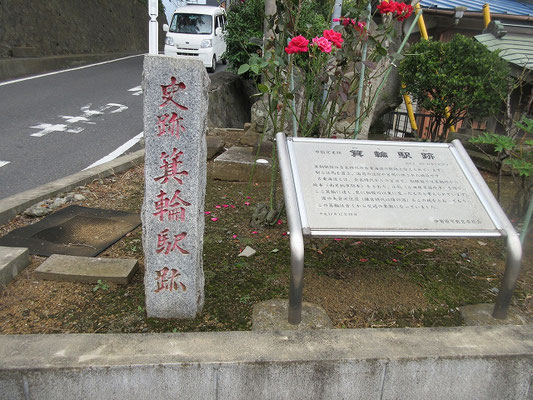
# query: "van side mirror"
[[165, 27], [218, 31]]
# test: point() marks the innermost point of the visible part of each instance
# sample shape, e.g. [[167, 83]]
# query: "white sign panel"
[[384, 186]]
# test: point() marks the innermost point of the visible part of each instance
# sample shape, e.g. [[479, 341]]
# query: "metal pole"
[[294, 122], [153, 10], [337, 10], [513, 246], [486, 14], [362, 76], [295, 229]]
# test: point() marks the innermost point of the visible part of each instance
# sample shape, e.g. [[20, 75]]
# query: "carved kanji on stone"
[[166, 245], [170, 167], [170, 90], [172, 208], [167, 279], [170, 124]]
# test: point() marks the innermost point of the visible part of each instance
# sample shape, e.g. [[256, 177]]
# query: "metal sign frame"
[[300, 227]]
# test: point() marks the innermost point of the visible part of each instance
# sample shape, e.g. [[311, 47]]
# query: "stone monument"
[[175, 121]]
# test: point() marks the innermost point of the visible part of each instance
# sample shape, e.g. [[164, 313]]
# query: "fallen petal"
[[214, 219]]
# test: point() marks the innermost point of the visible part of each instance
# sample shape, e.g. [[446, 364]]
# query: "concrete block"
[[423, 363], [237, 163], [87, 269], [271, 315], [214, 146], [12, 261], [263, 149], [250, 138]]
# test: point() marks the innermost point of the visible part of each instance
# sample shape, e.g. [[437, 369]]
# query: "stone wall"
[[65, 27]]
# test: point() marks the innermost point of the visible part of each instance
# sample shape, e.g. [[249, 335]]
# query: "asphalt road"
[[54, 125]]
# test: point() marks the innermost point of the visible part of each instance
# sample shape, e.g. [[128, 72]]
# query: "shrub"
[[455, 79], [245, 21]]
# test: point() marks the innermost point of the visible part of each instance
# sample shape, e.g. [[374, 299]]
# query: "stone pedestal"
[[175, 121]]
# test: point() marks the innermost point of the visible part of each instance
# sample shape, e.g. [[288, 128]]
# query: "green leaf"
[[381, 50], [254, 68], [523, 167], [263, 88], [243, 69]]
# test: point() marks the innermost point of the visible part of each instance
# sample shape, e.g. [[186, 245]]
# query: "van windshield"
[[191, 23]]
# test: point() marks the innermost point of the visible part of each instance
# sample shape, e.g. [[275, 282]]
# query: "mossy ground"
[[359, 282]]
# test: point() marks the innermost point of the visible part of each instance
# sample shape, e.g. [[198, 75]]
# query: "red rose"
[[334, 37], [324, 45], [297, 44]]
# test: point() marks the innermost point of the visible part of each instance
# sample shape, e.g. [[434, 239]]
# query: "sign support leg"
[[295, 228], [510, 276]]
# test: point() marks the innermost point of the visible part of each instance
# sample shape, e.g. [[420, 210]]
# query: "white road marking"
[[120, 108], [66, 70], [4, 163], [137, 91], [87, 113], [49, 128], [111, 156], [72, 120]]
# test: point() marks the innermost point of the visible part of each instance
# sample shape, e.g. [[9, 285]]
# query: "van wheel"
[[213, 65]]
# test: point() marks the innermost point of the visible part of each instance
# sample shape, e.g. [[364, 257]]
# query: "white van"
[[197, 31]]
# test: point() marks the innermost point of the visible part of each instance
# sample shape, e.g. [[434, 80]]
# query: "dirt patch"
[[360, 283]]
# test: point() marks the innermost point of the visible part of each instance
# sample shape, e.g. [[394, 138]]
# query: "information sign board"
[[386, 186], [358, 188]]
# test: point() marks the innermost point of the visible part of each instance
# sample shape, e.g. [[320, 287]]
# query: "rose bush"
[[326, 68]]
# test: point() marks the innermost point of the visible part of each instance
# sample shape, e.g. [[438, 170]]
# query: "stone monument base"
[[271, 315]]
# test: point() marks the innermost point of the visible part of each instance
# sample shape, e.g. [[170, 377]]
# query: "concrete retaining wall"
[[440, 363]]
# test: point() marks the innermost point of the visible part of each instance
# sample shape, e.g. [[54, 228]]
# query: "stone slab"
[[175, 169], [481, 314], [73, 230], [12, 261], [271, 315], [236, 164], [214, 146], [87, 269]]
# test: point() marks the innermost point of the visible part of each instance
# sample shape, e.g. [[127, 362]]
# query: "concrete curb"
[[423, 363], [11, 206]]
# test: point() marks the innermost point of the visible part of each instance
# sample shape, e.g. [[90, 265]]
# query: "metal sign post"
[[153, 27], [359, 188]]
